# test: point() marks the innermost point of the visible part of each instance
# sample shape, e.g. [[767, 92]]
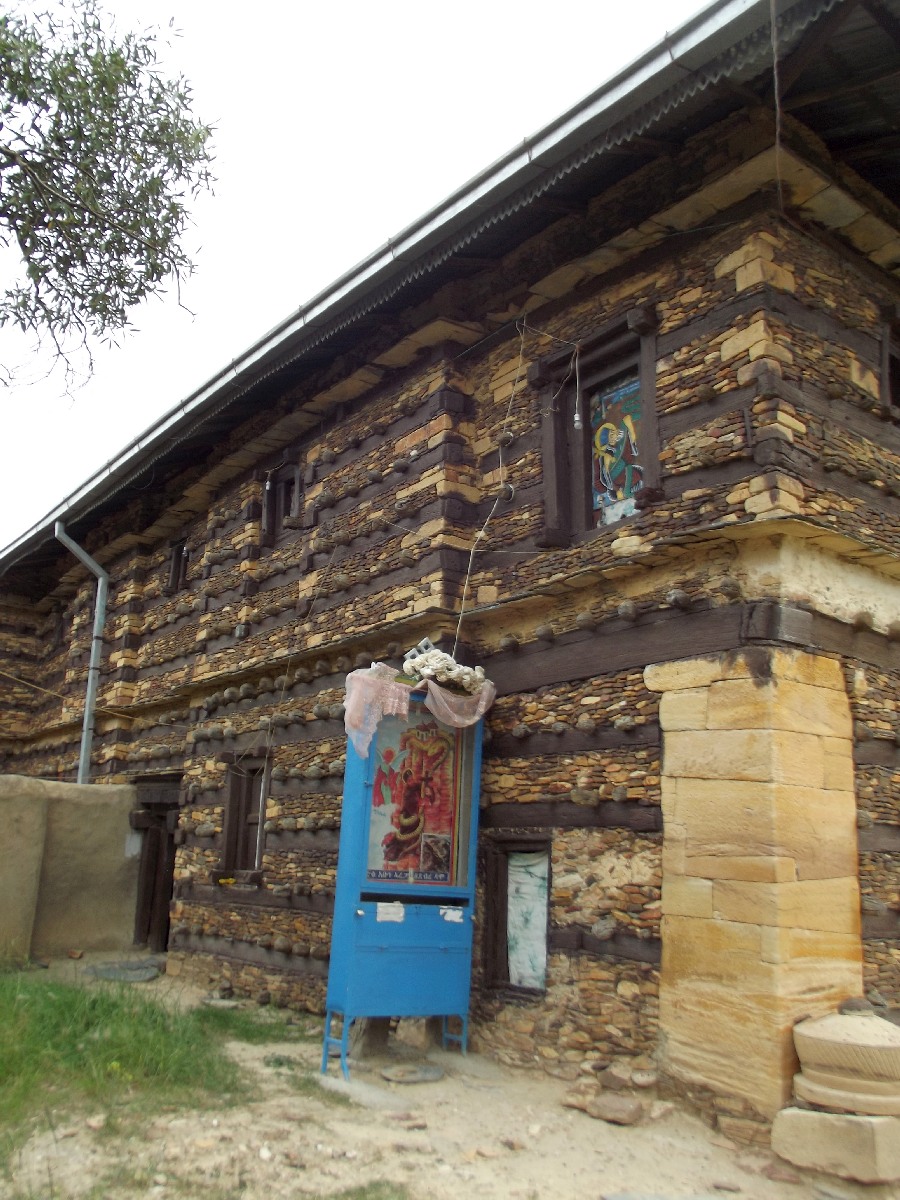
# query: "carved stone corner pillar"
[[760, 898]]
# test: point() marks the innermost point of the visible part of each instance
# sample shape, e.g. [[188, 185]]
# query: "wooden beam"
[[880, 13], [617, 645], [250, 953], [571, 939], [236, 897], [573, 741], [563, 814], [810, 47], [880, 839], [806, 99]]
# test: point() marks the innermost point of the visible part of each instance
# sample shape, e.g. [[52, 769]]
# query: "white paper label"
[[390, 910], [452, 914]]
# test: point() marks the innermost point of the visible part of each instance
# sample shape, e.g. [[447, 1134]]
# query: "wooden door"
[[157, 818]]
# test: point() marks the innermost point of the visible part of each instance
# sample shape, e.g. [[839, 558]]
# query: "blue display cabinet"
[[401, 943]]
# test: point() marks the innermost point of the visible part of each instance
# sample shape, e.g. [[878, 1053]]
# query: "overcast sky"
[[337, 124]]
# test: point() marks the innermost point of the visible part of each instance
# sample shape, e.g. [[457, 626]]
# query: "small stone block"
[[854, 1147], [619, 1110]]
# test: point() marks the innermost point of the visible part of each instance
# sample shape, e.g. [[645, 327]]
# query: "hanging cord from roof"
[[270, 732], [505, 490], [776, 93], [107, 712]]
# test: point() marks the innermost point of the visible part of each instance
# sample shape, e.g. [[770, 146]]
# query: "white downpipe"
[[93, 679]]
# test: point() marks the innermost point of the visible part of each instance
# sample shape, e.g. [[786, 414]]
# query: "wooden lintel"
[[250, 953], [571, 939], [563, 814], [219, 897], [572, 741]]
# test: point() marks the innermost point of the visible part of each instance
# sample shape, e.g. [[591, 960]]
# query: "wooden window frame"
[[179, 559], [244, 810], [282, 503], [627, 342], [495, 951], [890, 363]]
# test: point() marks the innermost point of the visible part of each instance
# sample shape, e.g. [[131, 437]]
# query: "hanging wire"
[[523, 328], [776, 88]]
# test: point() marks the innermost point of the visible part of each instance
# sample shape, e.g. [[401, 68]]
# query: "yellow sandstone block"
[[779, 481], [783, 705], [687, 897], [752, 869], [769, 348], [808, 668], [714, 949], [830, 905], [839, 769], [755, 248], [684, 709], [809, 709], [768, 505], [789, 422], [728, 754], [683, 674], [448, 488], [798, 758], [756, 333], [814, 828], [559, 282], [674, 850], [842, 951], [761, 271]]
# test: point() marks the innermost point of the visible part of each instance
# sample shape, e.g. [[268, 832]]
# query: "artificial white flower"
[[435, 664]]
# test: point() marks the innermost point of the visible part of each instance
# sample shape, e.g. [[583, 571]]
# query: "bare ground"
[[481, 1129]]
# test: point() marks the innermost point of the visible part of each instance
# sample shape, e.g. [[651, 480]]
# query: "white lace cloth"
[[376, 693]]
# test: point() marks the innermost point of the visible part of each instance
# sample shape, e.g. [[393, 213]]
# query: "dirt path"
[[480, 1130]]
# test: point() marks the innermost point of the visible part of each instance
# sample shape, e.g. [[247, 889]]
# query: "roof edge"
[[512, 180]]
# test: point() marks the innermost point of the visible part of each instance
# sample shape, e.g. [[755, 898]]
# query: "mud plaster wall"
[[70, 866]]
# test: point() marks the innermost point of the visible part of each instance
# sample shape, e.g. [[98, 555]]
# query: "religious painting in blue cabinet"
[[401, 943]]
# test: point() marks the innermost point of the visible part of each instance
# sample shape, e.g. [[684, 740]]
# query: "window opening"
[[179, 557], [600, 439], [281, 503], [242, 827], [516, 898], [526, 918]]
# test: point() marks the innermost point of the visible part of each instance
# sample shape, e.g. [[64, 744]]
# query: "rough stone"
[[618, 1110]]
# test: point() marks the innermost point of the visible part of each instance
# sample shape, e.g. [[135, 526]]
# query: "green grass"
[[64, 1046], [257, 1025]]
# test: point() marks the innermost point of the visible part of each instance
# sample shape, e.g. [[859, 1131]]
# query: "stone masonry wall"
[[768, 352]]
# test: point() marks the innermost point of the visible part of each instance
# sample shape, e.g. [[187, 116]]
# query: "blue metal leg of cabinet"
[[460, 1039], [339, 1044]]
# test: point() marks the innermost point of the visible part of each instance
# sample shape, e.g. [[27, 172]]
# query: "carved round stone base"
[[850, 1063], [843, 1099]]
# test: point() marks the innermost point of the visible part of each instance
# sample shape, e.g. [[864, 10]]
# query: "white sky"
[[337, 124]]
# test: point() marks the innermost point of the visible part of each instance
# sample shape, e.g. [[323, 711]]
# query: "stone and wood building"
[[624, 416]]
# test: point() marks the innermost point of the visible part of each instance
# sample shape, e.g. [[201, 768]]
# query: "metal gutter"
[[720, 40], [93, 678]]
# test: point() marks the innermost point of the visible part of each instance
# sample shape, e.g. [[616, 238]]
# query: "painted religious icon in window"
[[421, 797], [616, 448]]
